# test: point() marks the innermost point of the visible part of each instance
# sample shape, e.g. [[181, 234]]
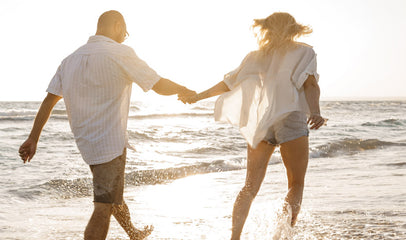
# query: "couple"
[[267, 96]]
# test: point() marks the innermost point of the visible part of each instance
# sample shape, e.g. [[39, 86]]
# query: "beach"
[[188, 169]]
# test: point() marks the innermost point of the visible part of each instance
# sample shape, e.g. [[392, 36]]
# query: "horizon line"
[[358, 98]]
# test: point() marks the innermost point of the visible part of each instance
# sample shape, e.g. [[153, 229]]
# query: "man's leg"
[[295, 155], [98, 225], [257, 162], [108, 188], [122, 215]]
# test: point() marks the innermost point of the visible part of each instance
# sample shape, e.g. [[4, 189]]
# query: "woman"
[[269, 97]]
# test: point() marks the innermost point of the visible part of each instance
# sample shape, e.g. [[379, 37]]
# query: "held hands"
[[316, 121], [192, 98], [188, 96], [217, 89]]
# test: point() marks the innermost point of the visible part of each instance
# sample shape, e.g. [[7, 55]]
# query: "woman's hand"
[[189, 98], [316, 121]]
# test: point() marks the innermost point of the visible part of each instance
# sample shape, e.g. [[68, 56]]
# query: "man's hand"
[[316, 121], [190, 99], [27, 150], [186, 95]]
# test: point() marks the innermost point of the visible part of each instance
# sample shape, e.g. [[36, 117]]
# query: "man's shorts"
[[291, 127], [108, 180]]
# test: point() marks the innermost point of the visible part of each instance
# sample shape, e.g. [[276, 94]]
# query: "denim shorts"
[[290, 127], [108, 180]]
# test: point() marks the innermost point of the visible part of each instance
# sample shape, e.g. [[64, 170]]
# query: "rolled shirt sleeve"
[[55, 86], [138, 71], [230, 78], [306, 67]]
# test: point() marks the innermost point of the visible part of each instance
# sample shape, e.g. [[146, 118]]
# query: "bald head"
[[111, 24]]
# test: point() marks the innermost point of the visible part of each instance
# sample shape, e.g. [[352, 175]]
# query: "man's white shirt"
[[95, 82]]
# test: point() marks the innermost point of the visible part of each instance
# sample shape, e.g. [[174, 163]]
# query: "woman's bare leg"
[[257, 162], [295, 155]]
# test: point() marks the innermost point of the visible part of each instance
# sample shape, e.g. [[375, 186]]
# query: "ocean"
[[188, 169]]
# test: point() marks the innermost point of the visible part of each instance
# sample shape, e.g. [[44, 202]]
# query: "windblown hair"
[[279, 31]]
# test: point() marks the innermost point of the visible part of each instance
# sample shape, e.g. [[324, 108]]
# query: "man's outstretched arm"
[[29, 147], [167, 87]]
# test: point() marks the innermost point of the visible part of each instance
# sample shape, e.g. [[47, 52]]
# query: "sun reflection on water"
[[187, 208]]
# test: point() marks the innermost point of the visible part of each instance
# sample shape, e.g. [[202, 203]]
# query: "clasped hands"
[[188, 96]]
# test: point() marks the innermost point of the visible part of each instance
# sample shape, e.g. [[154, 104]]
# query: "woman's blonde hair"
[[278, 31]]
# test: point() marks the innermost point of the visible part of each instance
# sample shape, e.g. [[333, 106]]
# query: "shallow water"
[[188, 169]]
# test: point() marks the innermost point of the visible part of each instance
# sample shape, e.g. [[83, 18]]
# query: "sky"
[[360, 44]]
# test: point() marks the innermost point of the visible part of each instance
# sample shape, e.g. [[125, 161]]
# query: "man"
[[95, 82]]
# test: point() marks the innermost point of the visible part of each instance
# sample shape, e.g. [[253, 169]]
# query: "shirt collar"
[[100, 38]]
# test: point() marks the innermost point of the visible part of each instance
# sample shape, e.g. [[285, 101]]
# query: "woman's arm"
[[312, 92], [217, 89]]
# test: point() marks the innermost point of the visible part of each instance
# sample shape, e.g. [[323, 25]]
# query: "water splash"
[[82, 187]]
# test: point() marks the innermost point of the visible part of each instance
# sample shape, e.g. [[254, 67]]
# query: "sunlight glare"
[[183, 198]]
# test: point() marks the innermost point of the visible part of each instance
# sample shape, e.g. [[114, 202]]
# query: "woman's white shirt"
[[264, 88]]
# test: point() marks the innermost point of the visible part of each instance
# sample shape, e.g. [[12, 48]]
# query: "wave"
[[82, 187], [19, 118], [28, 115], [350, 146], [386, 123], [134, 108], [61, 114], [139, 136], [169, 115], [203, 108], [398, 165], [204, 150], [15, 115]]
